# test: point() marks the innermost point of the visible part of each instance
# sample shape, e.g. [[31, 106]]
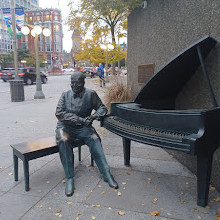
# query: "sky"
[[62, 5]]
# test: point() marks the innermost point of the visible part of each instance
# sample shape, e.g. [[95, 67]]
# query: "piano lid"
[[170, 79]]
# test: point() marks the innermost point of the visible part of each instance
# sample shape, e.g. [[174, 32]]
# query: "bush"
[[117, 91]]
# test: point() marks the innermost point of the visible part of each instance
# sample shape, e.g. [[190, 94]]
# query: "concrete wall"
[[161, 31]]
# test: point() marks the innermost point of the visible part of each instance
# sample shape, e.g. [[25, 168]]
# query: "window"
[[56, 27], [47, 17], [57, 38], [48, 47], [41, 47], [30, 18], [47, 39], [21, 3], [57, 48]]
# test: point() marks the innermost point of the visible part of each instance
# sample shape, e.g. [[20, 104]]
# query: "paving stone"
[[13, 206], [56, 209], [86, 179], [7, 179], [146, 192], [148, 165], [144, 151], [43, 180], [6, 158], [7, 176]]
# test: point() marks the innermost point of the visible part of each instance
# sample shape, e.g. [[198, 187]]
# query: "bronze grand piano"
[[152, 118]]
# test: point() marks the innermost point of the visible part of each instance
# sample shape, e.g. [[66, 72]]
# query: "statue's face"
[[77, 83]]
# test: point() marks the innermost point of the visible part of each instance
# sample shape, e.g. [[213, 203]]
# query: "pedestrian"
[[101, 75], [75, 122]]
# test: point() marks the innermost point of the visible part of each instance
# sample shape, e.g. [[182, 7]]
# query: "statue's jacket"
[[72, 106]]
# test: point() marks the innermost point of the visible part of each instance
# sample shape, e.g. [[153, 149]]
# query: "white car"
[[68, 71]]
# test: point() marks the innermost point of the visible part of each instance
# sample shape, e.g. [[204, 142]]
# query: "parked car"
[[7, 74], [1, 73], [88, 71], [68, 70], [28, 74]]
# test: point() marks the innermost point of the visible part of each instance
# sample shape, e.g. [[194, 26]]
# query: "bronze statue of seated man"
[[75, 122]]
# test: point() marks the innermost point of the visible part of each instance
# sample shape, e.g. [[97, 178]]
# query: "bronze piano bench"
[[35, 149]]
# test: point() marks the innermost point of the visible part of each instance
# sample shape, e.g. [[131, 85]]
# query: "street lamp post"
[[37, 29], [14, 39], [106, 47]]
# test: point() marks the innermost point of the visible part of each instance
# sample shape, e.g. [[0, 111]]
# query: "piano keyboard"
[[146, 130]]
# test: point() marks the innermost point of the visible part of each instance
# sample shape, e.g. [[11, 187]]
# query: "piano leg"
[[204, 168], [127, 150]]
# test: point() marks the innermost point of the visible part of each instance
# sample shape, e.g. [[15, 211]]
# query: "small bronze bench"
[[35, 149]]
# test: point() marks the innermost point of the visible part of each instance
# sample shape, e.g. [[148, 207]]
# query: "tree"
[[96, 14], [23, 53], [6, 60], [31, 59], [90, 50]]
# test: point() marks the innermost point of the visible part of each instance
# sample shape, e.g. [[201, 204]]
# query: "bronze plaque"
[[145, 72]]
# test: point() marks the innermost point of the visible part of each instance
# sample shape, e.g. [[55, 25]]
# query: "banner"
[[19, 20]]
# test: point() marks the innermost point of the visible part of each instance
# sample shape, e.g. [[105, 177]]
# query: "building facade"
[[76, 41], [5, 38], [162, 30], [51, 46]]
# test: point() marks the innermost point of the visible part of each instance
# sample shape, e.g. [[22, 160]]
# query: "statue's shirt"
[[71, 106]]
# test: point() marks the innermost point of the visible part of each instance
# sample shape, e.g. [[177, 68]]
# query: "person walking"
[[101, 75]]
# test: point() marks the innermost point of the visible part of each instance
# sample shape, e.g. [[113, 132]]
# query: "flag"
[[19, 20]]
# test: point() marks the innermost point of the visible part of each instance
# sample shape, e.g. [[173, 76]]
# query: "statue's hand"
[[88, 121]]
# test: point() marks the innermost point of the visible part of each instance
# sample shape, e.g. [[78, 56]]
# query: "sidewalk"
[[154, 182]]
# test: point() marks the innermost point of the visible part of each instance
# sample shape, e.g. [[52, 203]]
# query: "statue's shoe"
[[69, 190], [110, 180]]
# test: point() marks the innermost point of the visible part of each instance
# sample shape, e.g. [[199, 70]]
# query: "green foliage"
[[100, 13], [90, 50], [116, 54], [23, 53], [103, 18], [31, 59], [6, 60]]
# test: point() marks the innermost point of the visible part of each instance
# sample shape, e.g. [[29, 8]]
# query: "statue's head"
[[77, 82]]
